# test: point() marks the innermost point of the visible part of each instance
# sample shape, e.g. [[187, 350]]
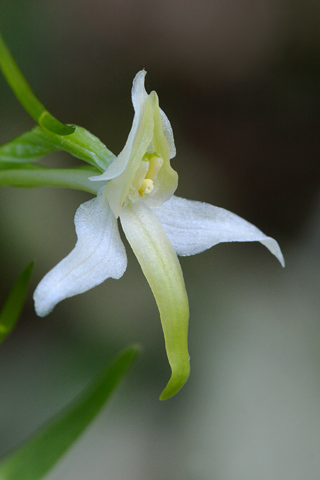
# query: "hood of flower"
[[142, 169]]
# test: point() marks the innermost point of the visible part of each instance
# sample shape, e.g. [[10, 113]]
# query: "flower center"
[[143, 182]]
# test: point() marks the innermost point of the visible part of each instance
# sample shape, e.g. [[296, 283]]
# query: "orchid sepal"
[[193, 227]]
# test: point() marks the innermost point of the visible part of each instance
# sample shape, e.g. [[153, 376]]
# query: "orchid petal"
[[99, 254], [166, 181], [193, 227], [162, 270], [168, 133], [118, 188], [139, 97], [138, 91]]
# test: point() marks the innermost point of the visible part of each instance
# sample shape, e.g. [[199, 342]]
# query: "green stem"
[[52, 177], [25, 95]]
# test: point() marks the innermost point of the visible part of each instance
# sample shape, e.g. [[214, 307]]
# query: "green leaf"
[[12, 307], [32, 145], [34, 459], [25, 95], [28, 147], [81, 144], [30, 175]]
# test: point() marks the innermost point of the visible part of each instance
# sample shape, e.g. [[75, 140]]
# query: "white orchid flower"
[[139, 189]]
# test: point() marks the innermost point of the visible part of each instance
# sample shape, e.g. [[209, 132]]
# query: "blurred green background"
[[240, 83]]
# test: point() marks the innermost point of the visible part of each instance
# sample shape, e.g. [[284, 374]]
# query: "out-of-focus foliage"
[[38, 455], [12, 307]]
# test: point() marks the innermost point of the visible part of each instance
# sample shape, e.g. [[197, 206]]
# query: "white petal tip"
[[43, 301], [273, 246]]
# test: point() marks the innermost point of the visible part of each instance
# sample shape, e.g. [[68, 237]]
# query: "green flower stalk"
[[137, 187], [25, 95]]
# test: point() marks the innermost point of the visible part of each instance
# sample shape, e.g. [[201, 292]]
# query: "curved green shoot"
[[12, 307], [30, 176], [25, 95], [35, 458]]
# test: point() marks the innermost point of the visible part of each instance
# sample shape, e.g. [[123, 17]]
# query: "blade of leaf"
[[32, 145], [34, 459], [82, 144], [12, 307], [25, 95], [27, 147]]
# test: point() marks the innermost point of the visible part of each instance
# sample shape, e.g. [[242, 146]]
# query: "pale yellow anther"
[[146, 174], [146, 186]]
